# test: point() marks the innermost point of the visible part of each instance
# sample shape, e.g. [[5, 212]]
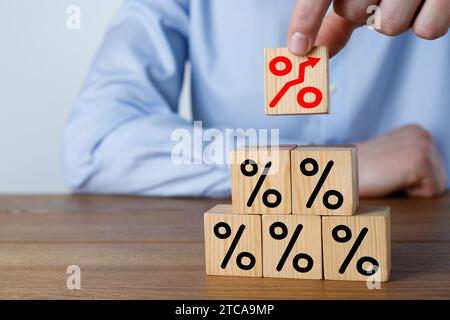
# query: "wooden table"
[[131, 247]]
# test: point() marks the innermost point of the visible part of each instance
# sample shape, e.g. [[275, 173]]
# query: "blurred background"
[[42, 67]]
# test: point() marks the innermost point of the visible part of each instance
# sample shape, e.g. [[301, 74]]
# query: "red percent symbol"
[[285, 69]]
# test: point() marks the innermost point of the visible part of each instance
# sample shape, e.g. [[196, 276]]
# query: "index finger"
[[335, 33], [306, 20]]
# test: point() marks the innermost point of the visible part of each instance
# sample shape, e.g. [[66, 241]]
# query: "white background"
[[42, 67]]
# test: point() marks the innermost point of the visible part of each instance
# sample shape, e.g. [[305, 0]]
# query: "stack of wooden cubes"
[[295, 214]]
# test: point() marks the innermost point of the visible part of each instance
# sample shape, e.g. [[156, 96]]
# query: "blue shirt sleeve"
[[118, 137]]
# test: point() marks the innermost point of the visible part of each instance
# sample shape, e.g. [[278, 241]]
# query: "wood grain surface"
[[152, 248]]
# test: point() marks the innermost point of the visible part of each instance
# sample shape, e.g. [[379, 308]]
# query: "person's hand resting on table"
[[405, 159], [429, 20]]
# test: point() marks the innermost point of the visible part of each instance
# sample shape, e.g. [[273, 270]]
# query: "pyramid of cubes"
[[295, 214]]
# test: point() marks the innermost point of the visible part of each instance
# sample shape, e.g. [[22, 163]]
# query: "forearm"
[[136, 158]]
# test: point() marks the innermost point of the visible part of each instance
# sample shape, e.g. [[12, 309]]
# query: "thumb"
[[335, 32], [306, 20]]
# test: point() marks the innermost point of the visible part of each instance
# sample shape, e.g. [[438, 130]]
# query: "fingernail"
[[298, 43]]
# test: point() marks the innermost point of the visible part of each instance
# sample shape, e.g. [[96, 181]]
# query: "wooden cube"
[[261, 180], [324, 180], [296, 85], [232, 243], [292, 246], [352, 245]]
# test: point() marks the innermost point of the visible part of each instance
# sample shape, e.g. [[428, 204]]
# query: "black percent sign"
[[296, 260], [359, 264], [304, 168], [241, 256], [265, 197]]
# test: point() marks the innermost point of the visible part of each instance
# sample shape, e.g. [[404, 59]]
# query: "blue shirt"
[[118, 137]]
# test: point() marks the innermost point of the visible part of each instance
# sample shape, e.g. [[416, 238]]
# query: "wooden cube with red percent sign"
[[296, 85]]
